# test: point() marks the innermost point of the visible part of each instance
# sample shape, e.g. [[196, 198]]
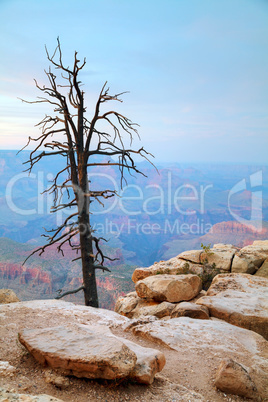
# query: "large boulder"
[[92, 351], [239, 299], [8, 296], [171, 288], [233, 378], [250, 258], [173, 266]]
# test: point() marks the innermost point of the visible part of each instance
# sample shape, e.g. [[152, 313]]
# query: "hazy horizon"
[[170, 162]]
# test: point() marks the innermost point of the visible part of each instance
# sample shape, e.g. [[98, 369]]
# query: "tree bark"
[[86, 242]]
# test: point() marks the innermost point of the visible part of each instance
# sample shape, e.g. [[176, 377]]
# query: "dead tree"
[[79, 133]]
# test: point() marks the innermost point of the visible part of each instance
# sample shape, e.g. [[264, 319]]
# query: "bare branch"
[[70, 292]]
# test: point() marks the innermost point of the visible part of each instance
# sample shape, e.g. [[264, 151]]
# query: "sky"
[[196, 70]]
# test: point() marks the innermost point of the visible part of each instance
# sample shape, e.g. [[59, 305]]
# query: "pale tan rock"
[[220, 257], [232, 378], [8, 296], [206, 337], [85, 351], [239, 299], [6, 396], [224, 246], [187, 309], [191, 255], [149, 362], [139, 307], [6, 369], [263, 244], [68, 310], [243, 265], [147, 307], [173, 266], [250, 258], [92, 352], [126, 304], [263, 271], [56, 379], [171, 288]]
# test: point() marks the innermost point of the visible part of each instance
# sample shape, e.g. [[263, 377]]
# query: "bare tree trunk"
[[89, 279], [86, 242]]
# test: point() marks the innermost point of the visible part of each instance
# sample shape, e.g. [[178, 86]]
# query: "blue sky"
[[197, 70]]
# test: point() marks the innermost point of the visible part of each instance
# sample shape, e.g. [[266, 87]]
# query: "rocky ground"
[[189, 373], [218, 337]]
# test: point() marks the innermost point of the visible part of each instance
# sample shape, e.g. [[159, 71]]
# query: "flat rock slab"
[[67, 310], [92, 351], [211, 337], [171, 288], [239, 299]]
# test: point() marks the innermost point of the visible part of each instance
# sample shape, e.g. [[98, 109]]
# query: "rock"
[[92, 352], [6, 369], [171, 288], [56, 379], [132, 306], [126, 304], [149, 362], [263, 271], [6, 396], [210, 337], [158, 310], [224, 246], [239, 299], [8, 296], [191, 255], [263, 244], [173, 266], [232, 378], [186, 309], [220, 256], [243, 265], [83, 351], [211, 340], [250, 258], [66, 310]]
